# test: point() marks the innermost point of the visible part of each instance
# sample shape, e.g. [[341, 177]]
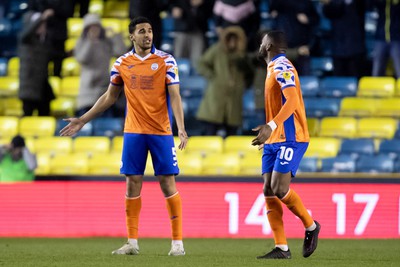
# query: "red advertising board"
[[210, 209]]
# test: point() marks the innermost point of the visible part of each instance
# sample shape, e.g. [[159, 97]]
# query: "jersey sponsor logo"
[[154, 66]]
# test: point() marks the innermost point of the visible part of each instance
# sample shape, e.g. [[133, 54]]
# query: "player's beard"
[[262, 55]]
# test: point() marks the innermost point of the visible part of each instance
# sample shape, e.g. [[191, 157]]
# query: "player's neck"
[[142, 52]]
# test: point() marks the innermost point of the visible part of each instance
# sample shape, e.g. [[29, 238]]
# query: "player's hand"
[[72, 128], [264, 132], [184, 139]]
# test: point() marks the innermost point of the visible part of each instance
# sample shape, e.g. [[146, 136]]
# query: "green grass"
[[200, 252]]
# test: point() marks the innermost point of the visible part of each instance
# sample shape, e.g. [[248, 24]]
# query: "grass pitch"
[[199, 252]]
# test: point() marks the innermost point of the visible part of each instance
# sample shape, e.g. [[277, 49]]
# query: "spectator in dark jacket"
[[348, 35]]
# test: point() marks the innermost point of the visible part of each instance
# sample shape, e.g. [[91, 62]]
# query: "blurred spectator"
[[229, 72], [242, 13], [298, 19], [150, 9], [56, 27], [17, 163], [387, 37], [191, 24], [34, 88], [93, 51], [348, 35]]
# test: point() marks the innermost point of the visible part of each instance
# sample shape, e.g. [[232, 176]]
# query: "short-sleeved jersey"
[[145, 81], [281, 75]]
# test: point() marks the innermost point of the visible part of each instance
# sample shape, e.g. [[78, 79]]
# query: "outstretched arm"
[[176, 104], [103, 103]]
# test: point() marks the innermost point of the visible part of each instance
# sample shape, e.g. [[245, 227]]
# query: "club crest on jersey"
[[154, 66]]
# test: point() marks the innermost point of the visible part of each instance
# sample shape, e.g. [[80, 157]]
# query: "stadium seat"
[[62, 107], [338, 86], [70, 67], [338, 127], [313, 125], [251, 120], [376, 86], [309, 86], [375, 164], [5, 27], [193, 85], [109, 127], [390, 147], [53, 145], [116, 144], [55, 83], [87, 129], [248, 101], [308, 165], [3, 66], [250, 164], [376, 128], [116, 9], [190, 164], [104, 164], [12, 107], [221, 164], [69, 164], [397, 92], [340, 163], [69, 86], [13, 67], [357, 147], [91, 145], [9, 86], [205, 145], [184, 67], [43, 164], [388, 107], [112, 23], [70, 44], [323, 147], [397, 166], [37, 126], [96, 7], [321, 107], [241, 145], [168, 26], [8, 126], [75, 27], [358, 107], [321, 66]]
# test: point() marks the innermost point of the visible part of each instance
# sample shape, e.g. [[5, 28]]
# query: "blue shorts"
[[135, 151], [283, 157]]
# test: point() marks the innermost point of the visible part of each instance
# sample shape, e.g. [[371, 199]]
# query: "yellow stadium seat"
[[190, 164], [30, 144], [37, 126], [125, 27], [13, 67], [5, 141], [116, 9], [8, 126], [12, 107], [114, 24], [397, 93], [55, 83], [70, 67], [388, 107], [70, 86], [338, 127], [53, 145], [240, 145], [70, 44], [116, 144], [376, 86], [376, 128], [358, 107], [91, 144], [69, 164], [313, 126], [221, 164], [323, 147], [62, 107], [96, 7], [105, 164], [205, 145], [250, 164], [43, 164], [75, 27], [9, 86]]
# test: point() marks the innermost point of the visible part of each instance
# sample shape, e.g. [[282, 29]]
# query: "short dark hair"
[[137, 20], [278, 38], [18, 141]]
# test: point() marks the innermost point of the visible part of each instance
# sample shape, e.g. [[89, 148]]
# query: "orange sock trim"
[[295, 205], [274, 214], [174, 207], [132, 209]]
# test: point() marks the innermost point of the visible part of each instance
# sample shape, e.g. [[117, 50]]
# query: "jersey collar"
[[152, 51], [279, 55]]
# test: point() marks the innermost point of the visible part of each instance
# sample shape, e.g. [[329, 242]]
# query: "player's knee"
[[280, 191]]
